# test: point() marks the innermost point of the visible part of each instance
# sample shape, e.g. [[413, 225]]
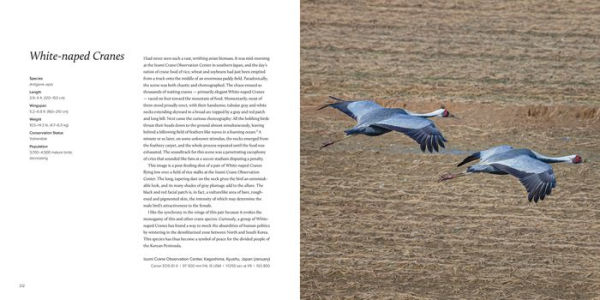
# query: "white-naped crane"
[[532, 168], [373, 120]]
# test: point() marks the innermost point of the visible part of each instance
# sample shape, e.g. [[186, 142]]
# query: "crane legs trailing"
[[448, 176]]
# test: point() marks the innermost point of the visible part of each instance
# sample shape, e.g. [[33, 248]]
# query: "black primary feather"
[[470, 158]]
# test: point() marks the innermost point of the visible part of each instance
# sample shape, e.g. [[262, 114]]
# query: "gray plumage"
[[373, 120], [531, 168]]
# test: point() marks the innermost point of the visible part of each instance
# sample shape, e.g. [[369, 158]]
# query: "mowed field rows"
[[375, 223]]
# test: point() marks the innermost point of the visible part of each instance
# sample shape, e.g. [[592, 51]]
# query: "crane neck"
[[550, 159], [435, 113]]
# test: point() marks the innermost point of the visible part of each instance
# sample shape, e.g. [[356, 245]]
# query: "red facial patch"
[[445, 114], [577, 159]]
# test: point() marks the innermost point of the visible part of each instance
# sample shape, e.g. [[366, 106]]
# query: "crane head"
[[577, 159], [447, 114]]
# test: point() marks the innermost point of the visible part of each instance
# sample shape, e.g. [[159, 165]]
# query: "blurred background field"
[[374, 221]]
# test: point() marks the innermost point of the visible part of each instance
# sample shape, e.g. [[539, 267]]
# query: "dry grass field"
[[374, 221]]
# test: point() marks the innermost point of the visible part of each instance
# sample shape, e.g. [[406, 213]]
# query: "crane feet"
[[446, 177], [452, 176]]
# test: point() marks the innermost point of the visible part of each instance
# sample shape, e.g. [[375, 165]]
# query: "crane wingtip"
[[336, 98]]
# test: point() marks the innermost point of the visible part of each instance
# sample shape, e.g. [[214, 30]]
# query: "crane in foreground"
[[530, 167], [373, 120]]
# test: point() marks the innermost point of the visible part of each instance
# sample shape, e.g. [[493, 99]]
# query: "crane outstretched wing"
[[354, 109], [419, 129], [483, 155], [537, 177]]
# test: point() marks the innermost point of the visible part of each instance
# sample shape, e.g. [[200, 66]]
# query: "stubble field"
[[375, 223]]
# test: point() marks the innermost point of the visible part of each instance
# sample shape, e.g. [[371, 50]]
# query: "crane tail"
[[470, 158], [326, 105], [329, 104]]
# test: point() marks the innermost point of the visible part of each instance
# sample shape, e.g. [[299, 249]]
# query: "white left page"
[[150, 150]]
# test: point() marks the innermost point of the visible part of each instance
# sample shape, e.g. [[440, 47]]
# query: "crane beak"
[[453, 116]]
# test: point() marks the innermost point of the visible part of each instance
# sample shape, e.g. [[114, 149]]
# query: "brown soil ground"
[[374, 221]]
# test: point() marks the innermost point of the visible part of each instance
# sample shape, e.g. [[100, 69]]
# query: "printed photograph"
[[450, 150]]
